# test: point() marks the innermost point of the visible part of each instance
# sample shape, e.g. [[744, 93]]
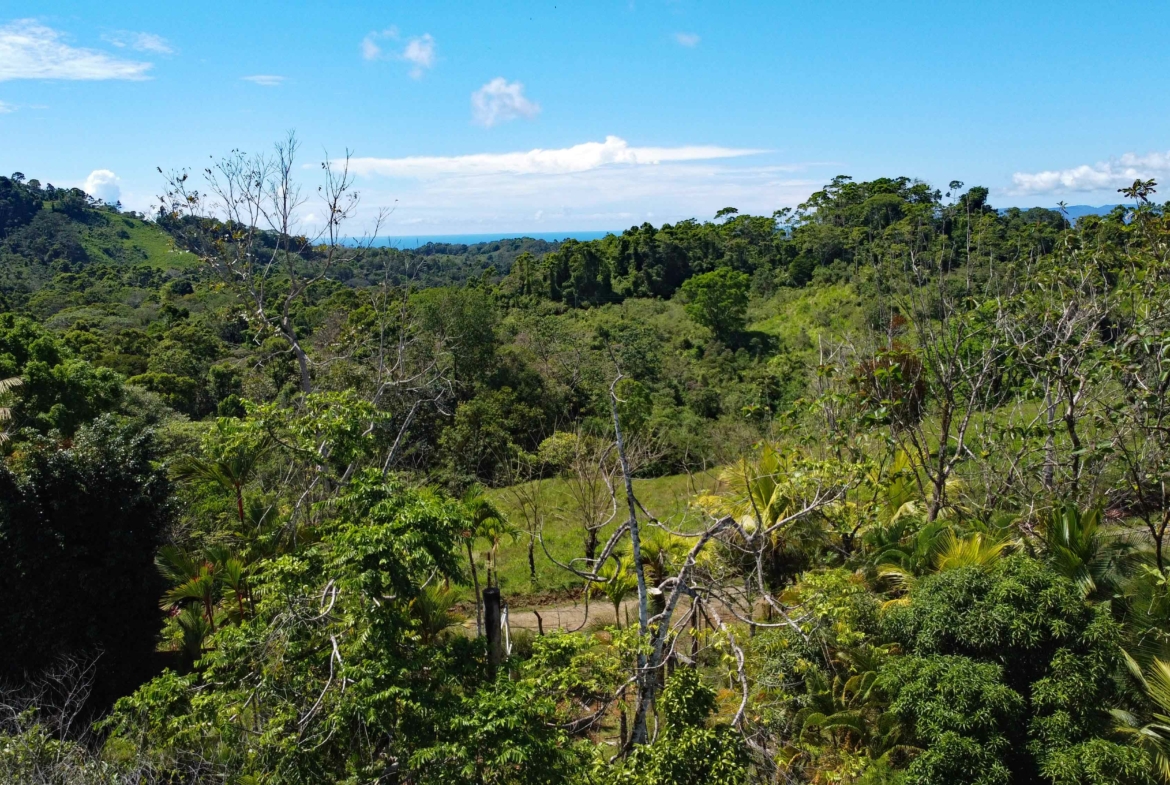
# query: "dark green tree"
[[718, 300], [79, 527]]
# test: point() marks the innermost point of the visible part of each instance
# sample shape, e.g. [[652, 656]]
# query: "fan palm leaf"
[[7, 385], [1153, 736], [1079, 547]]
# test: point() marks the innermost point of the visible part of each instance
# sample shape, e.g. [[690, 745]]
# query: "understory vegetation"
[[870, 491]]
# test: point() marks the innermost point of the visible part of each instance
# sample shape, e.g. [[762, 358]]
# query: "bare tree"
[[249, 229], [589, 476], [526, 486], [936, 386], [1137, 416]]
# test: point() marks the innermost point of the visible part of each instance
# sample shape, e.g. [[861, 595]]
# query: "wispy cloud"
[[6, 108], [264, 80], [1102, 176], [139, 42], [614, 151], [371, 48], [30, 50], [608, 184], [419, 51], [499, 101], [689, 40], [608, 197]]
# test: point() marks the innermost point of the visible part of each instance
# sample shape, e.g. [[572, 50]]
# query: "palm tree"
[[233, 579], [661, 551], [619, 584], [432, 610], [232, 471], [1147, 604], [1153, 736], [484, 519], [758, 496], [936, 548], [194, 582], [193, 631], [212, 584], [972, 550], [6, 386], [1080, 549]]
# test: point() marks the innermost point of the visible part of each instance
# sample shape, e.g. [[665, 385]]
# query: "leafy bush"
[[79, 526]]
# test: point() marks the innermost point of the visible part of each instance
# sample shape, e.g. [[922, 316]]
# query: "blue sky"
[[551, 116]]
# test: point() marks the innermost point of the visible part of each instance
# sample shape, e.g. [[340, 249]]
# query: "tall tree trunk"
[[240, 504], [1070, 424], [1050, 441], [475, 585], [290, 334], [938, 498], [646, 680]]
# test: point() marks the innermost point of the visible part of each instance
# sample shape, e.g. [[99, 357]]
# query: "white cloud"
[[614, 151], [139, 42], [499, 101], [264, 80], [687, 39], [371, 50], [30, 50], [595, 185], [1102, 176], [608, 197], [103, 184], [6, 108], [421, 52]]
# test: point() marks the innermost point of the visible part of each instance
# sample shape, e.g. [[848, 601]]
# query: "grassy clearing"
[[120, 237], [798, 315], [667, 498], [159, 246]]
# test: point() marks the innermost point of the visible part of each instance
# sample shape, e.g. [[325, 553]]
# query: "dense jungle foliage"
[[870, 491]]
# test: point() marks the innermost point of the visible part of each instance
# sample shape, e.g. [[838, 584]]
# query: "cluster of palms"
[[209, 589], [209, 586]]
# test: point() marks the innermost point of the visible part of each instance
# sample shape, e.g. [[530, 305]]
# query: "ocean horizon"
[[417, 241]]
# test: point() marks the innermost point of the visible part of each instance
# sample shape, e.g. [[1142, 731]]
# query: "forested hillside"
[[869, 491]]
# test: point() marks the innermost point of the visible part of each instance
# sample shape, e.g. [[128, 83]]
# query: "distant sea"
[[1075, 211], [419, 240]]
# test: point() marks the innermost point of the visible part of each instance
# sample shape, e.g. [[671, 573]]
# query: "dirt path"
[[570, 615], [565, 616]]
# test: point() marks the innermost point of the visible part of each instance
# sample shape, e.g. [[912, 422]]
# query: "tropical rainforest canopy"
[[870, 491]]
